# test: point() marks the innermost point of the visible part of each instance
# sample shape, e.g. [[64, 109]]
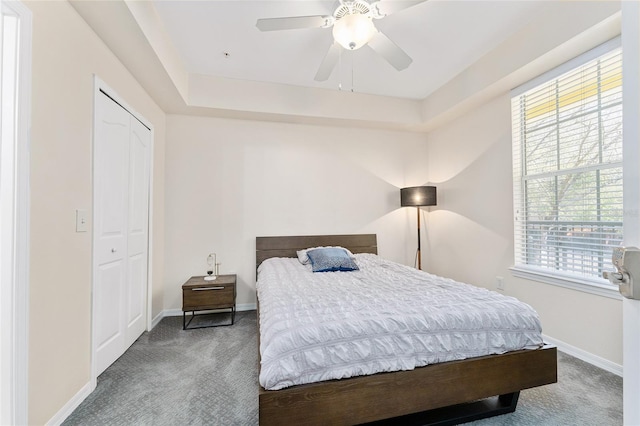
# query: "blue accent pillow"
[[330, 260]]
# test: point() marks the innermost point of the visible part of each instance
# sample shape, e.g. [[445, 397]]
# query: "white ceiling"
[[465, 53], [442, 36]]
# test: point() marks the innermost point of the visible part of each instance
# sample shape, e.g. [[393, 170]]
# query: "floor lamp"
[[418, 196]]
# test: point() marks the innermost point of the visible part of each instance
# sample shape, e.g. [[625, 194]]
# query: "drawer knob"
[[207, 288]]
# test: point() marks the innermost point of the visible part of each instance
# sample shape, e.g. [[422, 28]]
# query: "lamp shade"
[[416, 196], [353, 31]]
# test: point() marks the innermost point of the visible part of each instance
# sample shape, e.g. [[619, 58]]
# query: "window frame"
[[592, 285]]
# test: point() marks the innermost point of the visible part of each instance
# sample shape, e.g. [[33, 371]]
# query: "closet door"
[[121, 212], [138, 230]]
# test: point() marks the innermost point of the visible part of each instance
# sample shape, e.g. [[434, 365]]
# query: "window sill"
[[585, 285]]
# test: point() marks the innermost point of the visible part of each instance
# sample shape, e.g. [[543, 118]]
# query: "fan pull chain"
[[352, 87], [340, 70]]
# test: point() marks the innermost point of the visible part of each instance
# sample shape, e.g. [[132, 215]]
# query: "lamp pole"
[[419, 253]]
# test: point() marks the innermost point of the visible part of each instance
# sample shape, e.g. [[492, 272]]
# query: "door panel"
[[139, 179], [108, 288], [111, 158], [121, 210], [138, 226], [109, 284], [111, 169], [137, 292]]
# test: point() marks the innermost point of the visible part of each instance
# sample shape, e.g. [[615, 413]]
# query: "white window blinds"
[[567, 163]]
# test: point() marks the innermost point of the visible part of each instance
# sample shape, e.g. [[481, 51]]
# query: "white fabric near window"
[[385, 317]]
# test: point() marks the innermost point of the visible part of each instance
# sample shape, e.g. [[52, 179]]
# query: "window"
[[567, 162]]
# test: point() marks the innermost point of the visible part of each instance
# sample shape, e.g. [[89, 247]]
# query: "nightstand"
[[201, 295]]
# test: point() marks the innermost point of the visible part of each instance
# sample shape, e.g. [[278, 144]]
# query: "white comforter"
[[385, 317]]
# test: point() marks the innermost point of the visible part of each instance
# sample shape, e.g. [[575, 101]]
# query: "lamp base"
[[210, 278]]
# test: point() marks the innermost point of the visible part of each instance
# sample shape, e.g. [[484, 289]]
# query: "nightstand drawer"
[[210, 296]]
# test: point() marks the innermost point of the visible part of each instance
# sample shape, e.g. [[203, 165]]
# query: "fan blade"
[[292, 23], [328, 63], [390, 51], [387, 7]]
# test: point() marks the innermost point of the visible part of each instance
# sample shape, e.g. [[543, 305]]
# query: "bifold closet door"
[[121, 207], [138, 231]]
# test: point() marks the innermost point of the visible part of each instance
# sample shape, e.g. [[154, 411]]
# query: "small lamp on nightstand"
[[211, 267], [418, 196]]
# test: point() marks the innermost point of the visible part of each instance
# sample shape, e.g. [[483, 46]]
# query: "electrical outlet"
[[500, 283]]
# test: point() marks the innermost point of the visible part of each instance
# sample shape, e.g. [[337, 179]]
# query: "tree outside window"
[[568, 169]]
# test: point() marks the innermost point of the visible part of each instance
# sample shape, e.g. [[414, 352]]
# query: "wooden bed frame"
[[441, 394]]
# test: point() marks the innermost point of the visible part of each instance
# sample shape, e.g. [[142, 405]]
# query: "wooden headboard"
[[286, 246]]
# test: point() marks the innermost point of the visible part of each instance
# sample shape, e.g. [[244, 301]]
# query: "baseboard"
[[178, 312], [585, 356], [71, 405], [246, 307], [156, 320]]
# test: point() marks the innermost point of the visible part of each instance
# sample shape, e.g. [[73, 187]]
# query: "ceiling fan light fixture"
[[353, 31]]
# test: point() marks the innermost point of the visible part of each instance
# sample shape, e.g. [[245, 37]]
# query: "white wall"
[[228, 181], [66, 55], [471, 230]]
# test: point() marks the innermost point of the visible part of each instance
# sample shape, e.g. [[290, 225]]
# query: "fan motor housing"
[[357, 7]]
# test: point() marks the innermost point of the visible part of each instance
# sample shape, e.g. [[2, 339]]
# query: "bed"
[[444, 393]]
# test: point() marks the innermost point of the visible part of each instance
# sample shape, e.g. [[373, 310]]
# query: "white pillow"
[[304, 259]]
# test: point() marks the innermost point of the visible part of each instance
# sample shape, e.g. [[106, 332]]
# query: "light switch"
[[82, 221]]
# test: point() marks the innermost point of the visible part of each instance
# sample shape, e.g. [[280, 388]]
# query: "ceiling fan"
[[353, 27]]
